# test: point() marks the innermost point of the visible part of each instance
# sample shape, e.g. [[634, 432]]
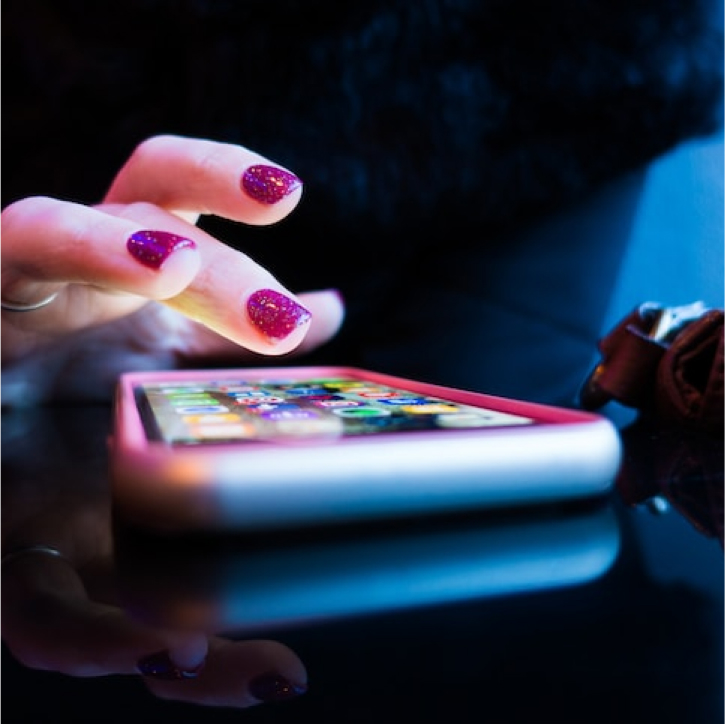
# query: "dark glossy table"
[[610, 611]]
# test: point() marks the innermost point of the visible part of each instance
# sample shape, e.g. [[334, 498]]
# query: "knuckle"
[[206, 164], [27, 208], [29, 219], [151, 147], [140, 211]]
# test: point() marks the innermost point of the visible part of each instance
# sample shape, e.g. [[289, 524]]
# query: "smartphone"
[[263, 448]]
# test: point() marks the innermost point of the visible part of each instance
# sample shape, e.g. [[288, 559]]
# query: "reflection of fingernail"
[[153, 248], [272, 687], [160, 666], [274, 314], [268, 184]]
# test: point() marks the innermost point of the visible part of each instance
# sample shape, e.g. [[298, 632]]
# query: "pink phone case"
[[338, 444]]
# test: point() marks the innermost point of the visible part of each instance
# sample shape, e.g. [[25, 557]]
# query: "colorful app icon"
[[342, 382], [400, 401], [305, 391], [256, 401], [185, 400], [430, 408], [359, 388], [362, 412], [266, 406], [219, 419]]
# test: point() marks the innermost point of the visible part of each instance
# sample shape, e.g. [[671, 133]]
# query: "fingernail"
[[269, 184], [274, 314], [272, 687], [153, 248], [160, 666]]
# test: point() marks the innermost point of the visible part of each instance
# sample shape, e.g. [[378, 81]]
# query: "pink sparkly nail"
[[274, 314], [268, 184], [153, 248]]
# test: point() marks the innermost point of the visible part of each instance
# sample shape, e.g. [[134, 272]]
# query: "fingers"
[[99, 264], [231, 294], [50, 623], [239, 674], [197, 176], [50, 242], [326, 307], [146, 252]]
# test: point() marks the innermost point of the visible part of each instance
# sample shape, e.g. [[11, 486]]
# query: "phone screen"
[[236, 409]]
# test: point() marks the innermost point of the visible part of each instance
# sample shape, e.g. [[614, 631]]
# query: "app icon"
[[358, 388], [362, 412], [218, 419], [266, 406], [403, 401], [305, 391], [183, 401], [430, 408], [256, 401]]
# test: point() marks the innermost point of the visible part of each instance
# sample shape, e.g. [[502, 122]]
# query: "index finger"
[[199, 176]]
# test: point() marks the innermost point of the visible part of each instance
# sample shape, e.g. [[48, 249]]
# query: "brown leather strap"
[[667, 362], [690, 376]]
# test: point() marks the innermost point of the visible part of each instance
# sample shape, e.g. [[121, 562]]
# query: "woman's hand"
[[134, 284]]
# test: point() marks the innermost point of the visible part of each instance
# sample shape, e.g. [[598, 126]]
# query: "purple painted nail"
[[160, 666], [153, 248], [269, 184], [274, 314], [274, 687]]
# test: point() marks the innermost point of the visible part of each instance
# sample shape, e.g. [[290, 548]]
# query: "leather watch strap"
[[665, 361]]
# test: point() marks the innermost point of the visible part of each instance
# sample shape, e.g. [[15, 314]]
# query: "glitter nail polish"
[[153, 248], [274, 314], [273, 687], [269, 184]]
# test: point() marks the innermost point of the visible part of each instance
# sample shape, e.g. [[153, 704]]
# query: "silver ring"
[[14, 307], [41, 549]]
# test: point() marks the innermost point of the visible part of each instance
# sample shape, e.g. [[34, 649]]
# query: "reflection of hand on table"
[[58, 607]]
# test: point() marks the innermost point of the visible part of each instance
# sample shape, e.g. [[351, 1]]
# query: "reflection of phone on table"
[[250, 449], [243, 584]]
